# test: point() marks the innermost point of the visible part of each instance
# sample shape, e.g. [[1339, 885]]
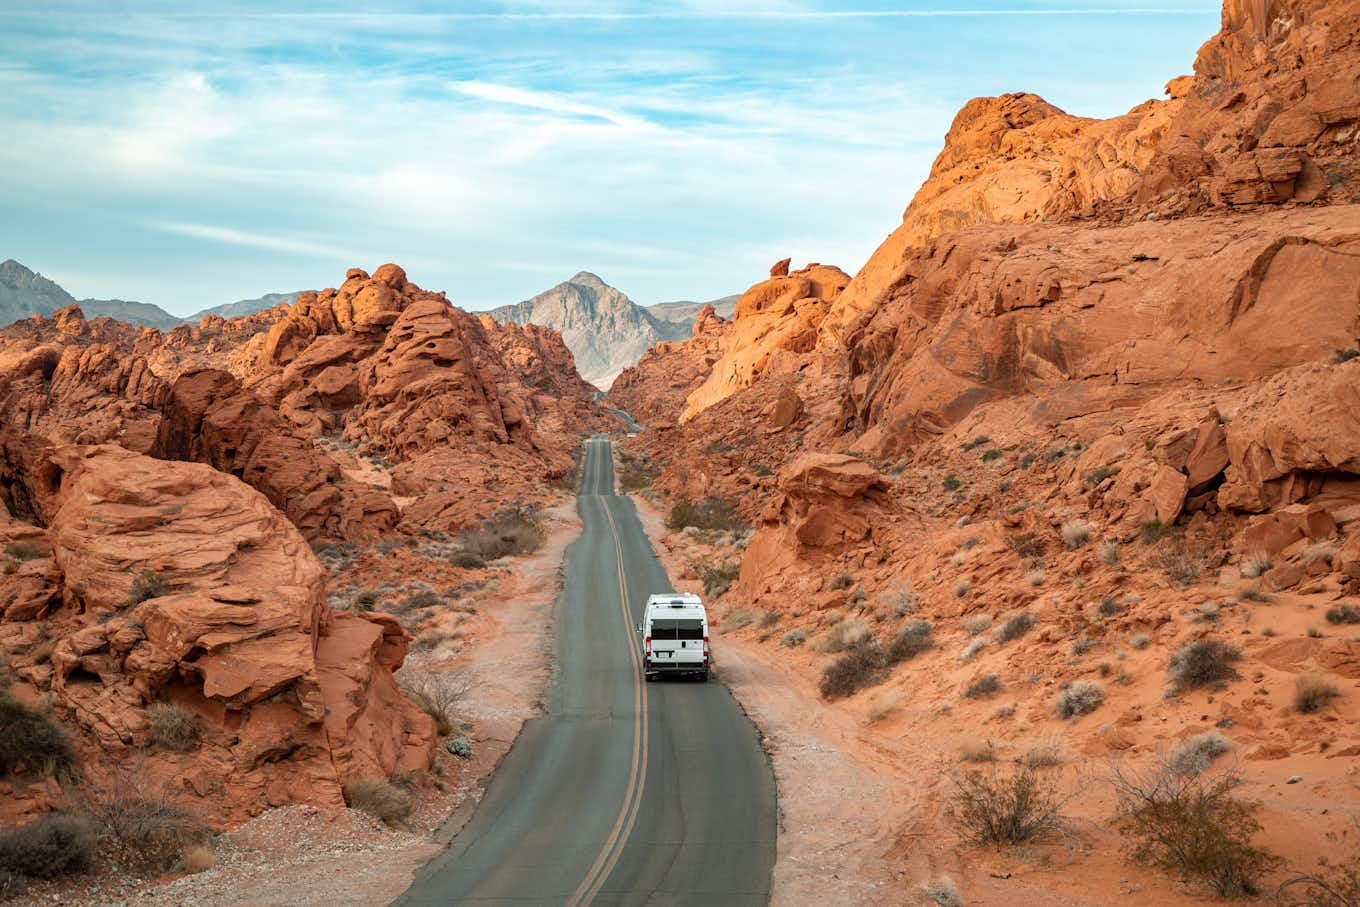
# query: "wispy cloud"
[[691, 15], [545, 100], [254, 240]]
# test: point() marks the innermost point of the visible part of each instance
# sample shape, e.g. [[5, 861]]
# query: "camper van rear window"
[[677, 629]]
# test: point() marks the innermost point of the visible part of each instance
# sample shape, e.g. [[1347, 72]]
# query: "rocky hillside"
[[166, 499], [1087, 414], [604, 329]]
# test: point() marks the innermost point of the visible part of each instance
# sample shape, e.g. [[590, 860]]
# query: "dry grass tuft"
[[1312, 692], [1080, 697], [1005, 805], [379, 798], [1195, 754], [1202, 663], [174, 727]]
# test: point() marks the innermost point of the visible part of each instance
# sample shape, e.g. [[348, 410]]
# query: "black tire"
[[648, 677], [703, 678]]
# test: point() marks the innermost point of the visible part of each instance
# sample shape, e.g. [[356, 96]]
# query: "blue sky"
[[190, 154]]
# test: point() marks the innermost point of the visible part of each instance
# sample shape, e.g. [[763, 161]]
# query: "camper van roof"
[[675, 600]]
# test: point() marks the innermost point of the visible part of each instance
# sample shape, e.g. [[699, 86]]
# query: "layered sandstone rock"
[[655, 390]]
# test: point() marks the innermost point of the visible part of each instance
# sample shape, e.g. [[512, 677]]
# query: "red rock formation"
[[292, 699], [655, 390]]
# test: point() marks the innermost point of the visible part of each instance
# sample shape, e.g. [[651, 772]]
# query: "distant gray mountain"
[[24, 293], [143, 313], [604, 329], [246, 306], [685, 311]]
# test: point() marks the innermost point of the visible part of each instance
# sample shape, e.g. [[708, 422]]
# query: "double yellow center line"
[[632, 799]]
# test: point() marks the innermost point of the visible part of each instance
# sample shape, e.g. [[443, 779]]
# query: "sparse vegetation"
[[974, 647], [847, 634], [961, 588], [910, 641], [174, 727], [710, 513], [990, 455], [1345, 354], [1255, 594], [1044, 754], [1109, 554], [977, 751], [1343, 614], [1140, 640], [439, 695], [1254, 565], [982, 687], [1312, 692], [1193, 825], [1182, 562], [141, 828], [862, 666], [1196, 753], [979, 624], [1015, 626], [1005, 805], [51, 847], [952, 482], [793, 638], [147, 585], [1025, 544], [379, 798], [738, 619], [32, 744], [1100, 474], [1153, 531], [25, 551], [1109, 606], [975, 443], [883, 705], [718, 576], [841, 581], [1080, 697], [902, 600], [1332, 883], [513, 530], [1201, 663], [943, 892]]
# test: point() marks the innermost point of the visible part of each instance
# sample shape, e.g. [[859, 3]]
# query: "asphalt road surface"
[[625, 792]]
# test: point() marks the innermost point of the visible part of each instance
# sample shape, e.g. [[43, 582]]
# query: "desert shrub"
[[1181, 561], [1109, 554], [1312, 692], [1083, 645], [51, 847], [1255, 594], [1345, 355], [173, 726], [952, 482], [425, 598], [468, 560], [977, 751], [986, 685], [860, 667], [1193, 825], [902, 600], [459, 746], [1332, 883], [1139, 640], [710, 513], [1005, 805], [379, 798], [1204, 613], [1343, 614], [1075, 533], [847, 634], [738, 619], [1109, 607], [1025, 544], [1015, 626], [146, 586], [1201, 663], [841, 580], [974, 647], [1100, 474], [883, 705], [961, 588], [1153, 531], [197, 858], [718, 576], [31, 743], [793, 638], [513, 530], [768, 619], [1195, 754], [975, 443], [1080, 697], [1044, 754], [142, 829], [1253, 565], [943, 892], [990, 455], [976, 625], [25, 551], [910, 641], [439, 695]]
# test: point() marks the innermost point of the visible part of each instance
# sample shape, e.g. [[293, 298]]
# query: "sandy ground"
[[301, 856]]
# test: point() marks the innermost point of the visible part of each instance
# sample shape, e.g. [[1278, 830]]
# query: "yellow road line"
[[632, 800]]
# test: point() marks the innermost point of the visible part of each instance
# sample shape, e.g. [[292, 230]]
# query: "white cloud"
[[546, 101], [255, 240]]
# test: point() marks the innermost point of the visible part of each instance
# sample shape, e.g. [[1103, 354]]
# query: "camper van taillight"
[[647, 646], [705, 646]]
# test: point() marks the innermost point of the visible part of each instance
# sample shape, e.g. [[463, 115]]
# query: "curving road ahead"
[[625, 792]]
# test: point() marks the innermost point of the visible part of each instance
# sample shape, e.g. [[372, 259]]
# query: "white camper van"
[[674, 632]]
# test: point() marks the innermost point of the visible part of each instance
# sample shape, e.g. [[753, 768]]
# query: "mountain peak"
[[587, 279]]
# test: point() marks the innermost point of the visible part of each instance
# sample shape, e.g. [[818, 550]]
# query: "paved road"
[[625, 792]]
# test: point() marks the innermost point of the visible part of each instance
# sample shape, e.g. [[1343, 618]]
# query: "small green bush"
[[952, 482], [1153, 531], [1345, 354], [1100, 474], [794, 638], [514, 530], [1109, 607], [1196, 753], [1343, 614], [990, 455], [841, 581], [718, 576]]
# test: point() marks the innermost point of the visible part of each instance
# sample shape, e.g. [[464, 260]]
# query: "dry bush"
[[1193, 825], [1109, 606], [794, 638], [430, 639], [513, 530], [738, 619], [1140, 640], [902, 600], [861, 667], [1332, 883], [1005, 805], [1195, 754], [1182, 562], [1255, 594], [1153, 531], [910, 641], [1080, 697], [1202, 663], [1015, 626], [883, 705], [1312, 692], [146, 586], [710, 513], [197, 858], [979, 624], [1109, 554], [1255, 564], [943, 892], [439, 695], [982, 687], [974, 647], [961, 588], [977, 751], [1043, 754], [140, 827], [847, 634], [1025, 544], [31, 743], [1343, 614], [1075, 533], [379, 798], [51, 847], [173, 726], [718, 576], [25, 551], [1083, 645], [841, 580]]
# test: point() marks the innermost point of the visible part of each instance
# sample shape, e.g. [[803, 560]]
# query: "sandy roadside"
[[300, 856]]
